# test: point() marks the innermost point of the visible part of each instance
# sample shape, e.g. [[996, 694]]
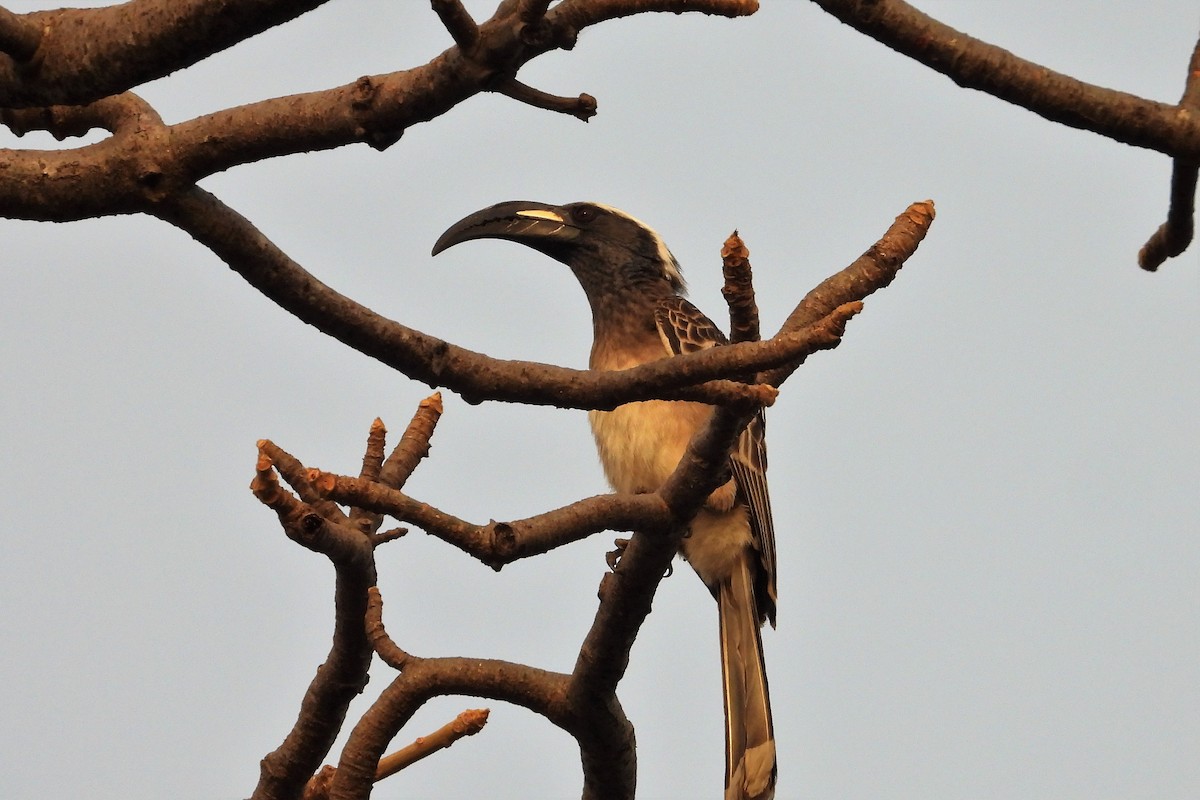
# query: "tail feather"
[[749, 734]]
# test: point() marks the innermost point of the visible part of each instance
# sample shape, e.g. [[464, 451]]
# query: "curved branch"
[[422, 679], [1174, 235], [475, 376], [975, 64]]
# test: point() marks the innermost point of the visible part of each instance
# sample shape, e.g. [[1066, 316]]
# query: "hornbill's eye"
[[584, 214]]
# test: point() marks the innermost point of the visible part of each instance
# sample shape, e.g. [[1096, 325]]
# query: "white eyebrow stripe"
[[537, 213], [670, 264]]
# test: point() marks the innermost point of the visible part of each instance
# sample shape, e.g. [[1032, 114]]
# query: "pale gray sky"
[[986, 498]]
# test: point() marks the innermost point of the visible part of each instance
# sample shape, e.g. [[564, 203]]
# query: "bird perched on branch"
[[635, 290]]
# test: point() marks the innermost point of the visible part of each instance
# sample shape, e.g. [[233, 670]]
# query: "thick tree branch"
[[93, 181], [1060, 98], [607, 742], [129, 44]]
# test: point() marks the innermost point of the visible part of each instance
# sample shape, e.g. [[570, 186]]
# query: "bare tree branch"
[[499, 543], [975, 64], [131, 43], [468, 723], [739, 291], [539, 690], [373, 456], [578, 14], [474, 376], [1174, 235], [584, 703], [297, 476], [582, 107], [285, 771], [96, 180], [414, 444], [870, 272]]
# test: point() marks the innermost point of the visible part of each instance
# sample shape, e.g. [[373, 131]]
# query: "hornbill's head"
[[609, 251]]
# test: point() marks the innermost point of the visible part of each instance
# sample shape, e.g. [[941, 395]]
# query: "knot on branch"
[[362, 106]]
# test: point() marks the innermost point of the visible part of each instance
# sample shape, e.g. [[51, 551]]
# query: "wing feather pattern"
[[685, 329]]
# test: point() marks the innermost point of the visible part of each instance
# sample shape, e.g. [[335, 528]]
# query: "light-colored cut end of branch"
[[433, 403], [323, 482], [920, 213], [734, 248]]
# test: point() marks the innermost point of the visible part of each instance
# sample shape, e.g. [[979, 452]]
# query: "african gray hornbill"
[[635, 290]]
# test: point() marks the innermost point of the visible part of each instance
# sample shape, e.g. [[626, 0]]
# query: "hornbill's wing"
[[685, 329]]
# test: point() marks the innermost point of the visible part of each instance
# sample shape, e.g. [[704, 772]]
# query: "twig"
[[373, 455], [578, 14], [414, 444], [297, 476], [582, 107], [1174, 235], [739, 291], [468, 723]]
